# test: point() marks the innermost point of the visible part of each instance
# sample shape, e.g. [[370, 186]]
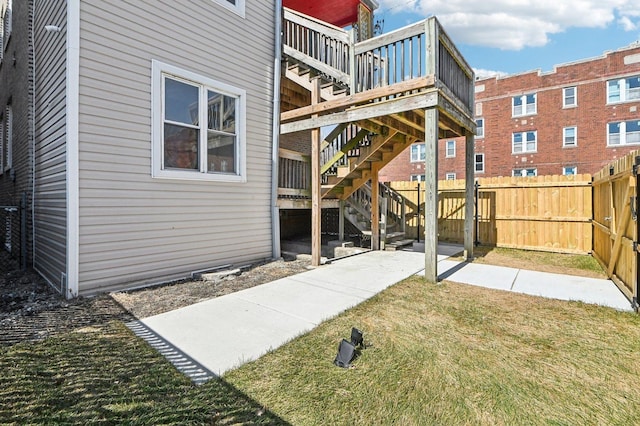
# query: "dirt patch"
[[31, 310], [156, 300]]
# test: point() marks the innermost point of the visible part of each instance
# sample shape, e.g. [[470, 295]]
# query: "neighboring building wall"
[[590, 116], [15, 94], [50, 199], [136, 229]]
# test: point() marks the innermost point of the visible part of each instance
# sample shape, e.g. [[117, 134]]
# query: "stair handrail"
[[323, 46]]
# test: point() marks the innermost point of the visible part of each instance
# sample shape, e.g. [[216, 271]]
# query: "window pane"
[[180, 147], [221, 153], [517, 142], [221, 112], [613, 91], [181, 102]]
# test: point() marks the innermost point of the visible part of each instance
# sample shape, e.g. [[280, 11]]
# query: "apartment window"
[[623, 90], [480, 128], [479, 163], [570, 170], [524, 105], [451, 149], [199, 127], [524, 142], [417, 152], [623, 133], [569, 136], [569, 97], [235, 5], [417, 178], [525, 172], [450, 176]]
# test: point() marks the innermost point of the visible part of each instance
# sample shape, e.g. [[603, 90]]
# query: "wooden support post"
[[316, 213], [431, 195], [469, 211], [375, 207], [341, 221]]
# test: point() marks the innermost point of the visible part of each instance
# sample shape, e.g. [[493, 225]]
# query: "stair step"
[[398, 245]]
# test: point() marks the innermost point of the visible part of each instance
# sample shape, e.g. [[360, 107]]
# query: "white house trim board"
[[72, 131]]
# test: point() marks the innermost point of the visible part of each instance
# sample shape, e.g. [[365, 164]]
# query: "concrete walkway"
[[215, 336]]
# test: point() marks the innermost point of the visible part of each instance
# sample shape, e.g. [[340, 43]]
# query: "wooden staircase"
[[376, 97]]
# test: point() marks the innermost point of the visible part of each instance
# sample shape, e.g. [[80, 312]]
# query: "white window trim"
[[450, 176], [478, 135], [523, 98], [238, 8], [446, 149], [475, 162], [424, 148], [160, 69], [564, 170], [575, 97], [564, 136], [417, 178], [524, 142]]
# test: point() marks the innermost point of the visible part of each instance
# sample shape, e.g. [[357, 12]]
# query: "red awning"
[[340, 13]]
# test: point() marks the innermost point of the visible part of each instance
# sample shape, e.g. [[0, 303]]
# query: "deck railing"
[[416, 51], [294, 175]]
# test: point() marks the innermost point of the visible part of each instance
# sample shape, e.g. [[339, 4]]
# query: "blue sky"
[[513, 36]]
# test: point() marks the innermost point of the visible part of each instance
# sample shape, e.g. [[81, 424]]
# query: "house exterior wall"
[[135, 229], [590, 117], [15, 92], [50, 190]]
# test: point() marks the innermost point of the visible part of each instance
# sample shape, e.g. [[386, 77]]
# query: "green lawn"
[[438, 354]]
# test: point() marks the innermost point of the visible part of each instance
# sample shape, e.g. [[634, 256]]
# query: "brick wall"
[[590, 117]]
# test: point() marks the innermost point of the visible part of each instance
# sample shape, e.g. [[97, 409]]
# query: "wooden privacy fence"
[[615, 224], [548, 213]]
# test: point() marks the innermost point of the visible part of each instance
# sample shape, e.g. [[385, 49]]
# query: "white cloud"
[[482, 73], [516, 24]]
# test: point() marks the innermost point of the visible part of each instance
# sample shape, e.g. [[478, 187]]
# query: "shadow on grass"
[[103, 373]]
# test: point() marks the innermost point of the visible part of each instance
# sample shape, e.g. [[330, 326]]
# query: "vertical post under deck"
[[469, 158], [341, 221], [431, 195], [316, 213], [375, 207]]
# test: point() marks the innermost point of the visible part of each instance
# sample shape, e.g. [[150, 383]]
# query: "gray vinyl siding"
[[50, 199], [136, 230]]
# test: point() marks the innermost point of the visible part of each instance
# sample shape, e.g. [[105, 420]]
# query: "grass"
[[575, 264], [456, 354], [437, 354]]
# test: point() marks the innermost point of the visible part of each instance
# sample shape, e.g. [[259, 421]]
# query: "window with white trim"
[[417, 152], [569, 97], [198, 127], [450, 149], [570, 170], [417, 178], [235, 5], [623, 133], [525, 172], [479, 166], [524, 142], [479, 128], [570, 136], [524, 105], [450, 176], [623, 90]]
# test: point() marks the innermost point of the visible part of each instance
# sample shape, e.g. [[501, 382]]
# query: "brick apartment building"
[[574, 119]]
